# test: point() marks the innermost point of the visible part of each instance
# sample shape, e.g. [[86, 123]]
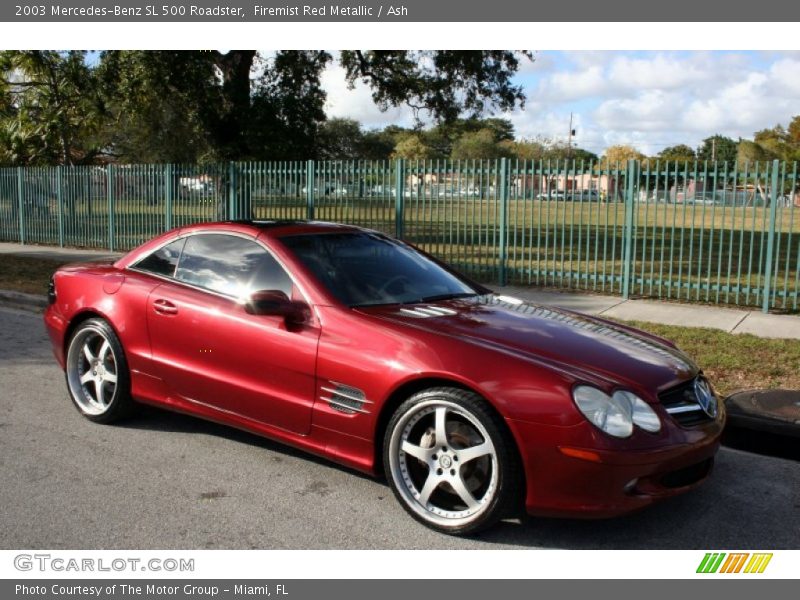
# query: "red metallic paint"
[[214, 360], [269, 378]]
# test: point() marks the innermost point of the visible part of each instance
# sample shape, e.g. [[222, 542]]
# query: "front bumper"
[[579, 472]]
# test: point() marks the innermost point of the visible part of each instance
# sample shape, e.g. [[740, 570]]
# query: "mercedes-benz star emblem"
[[705, 398]]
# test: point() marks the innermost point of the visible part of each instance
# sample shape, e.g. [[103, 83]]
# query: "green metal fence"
[[718, 233]]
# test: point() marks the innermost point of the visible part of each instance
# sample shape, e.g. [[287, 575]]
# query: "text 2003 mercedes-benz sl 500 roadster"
[[362, 349]]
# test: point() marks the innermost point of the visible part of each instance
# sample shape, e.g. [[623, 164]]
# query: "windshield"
[[363, 269]]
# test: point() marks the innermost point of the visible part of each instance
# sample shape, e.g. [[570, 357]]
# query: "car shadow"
[[749, 501], [152, 418], [760, 442]]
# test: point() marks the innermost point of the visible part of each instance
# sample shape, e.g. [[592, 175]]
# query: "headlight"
[[611, 414], [615, 415], [641, 414]]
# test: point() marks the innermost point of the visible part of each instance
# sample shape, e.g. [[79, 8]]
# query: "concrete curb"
[[30, 302]]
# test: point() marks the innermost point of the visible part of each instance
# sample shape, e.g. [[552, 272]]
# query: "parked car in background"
[[551, 195], [200, 184]]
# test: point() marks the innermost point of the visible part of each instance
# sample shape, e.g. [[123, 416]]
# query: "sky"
[[648, 99]]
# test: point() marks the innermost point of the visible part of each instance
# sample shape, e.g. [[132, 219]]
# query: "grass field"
[[736, 362], [24, 274]]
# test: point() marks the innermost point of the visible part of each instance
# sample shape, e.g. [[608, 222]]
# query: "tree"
[[214, 102], [542, 148], [562, 151], [379, 144], [717, 148], [49, 110], [678, 153], [232, 113], [620, 154], [287, 108], [412, 147], [344, 139], [529, 149], [775, 141], [443, 83], [479, 145], [794, 131], [160, 105], [177, 106], [750, 152], [340, 139], [443, 136]]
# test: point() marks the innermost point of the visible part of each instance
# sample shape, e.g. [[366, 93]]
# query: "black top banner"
[[403, 11]]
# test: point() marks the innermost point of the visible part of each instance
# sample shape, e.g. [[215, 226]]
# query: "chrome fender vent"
[[425, 312], [345, 398]]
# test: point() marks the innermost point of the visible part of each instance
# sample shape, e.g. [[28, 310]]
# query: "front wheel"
[[450, 461], [97, 373]]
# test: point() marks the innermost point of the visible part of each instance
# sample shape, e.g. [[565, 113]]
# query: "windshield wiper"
[[437, 297]]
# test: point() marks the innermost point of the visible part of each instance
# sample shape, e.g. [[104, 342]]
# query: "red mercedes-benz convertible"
[[360, 348]]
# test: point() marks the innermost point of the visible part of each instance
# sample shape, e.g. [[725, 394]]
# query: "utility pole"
[[713, 149], [569, 137]]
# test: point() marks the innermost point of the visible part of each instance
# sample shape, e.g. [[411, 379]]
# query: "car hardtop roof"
[[275, 228]]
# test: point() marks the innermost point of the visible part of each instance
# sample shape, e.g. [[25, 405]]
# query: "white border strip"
[[422, 36], [369, 564]]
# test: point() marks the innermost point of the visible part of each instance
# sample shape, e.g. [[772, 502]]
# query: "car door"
[[209, 351]]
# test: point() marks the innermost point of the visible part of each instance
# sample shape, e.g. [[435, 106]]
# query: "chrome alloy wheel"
[[444, 463], [92, 371]]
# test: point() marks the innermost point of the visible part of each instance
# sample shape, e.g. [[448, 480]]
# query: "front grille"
[[682, 405]]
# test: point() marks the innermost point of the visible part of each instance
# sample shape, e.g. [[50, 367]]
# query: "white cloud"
[[651, 100], [660, 73], [542, 61], [357, 103], [785, 76], [573, 85], [650, 110]]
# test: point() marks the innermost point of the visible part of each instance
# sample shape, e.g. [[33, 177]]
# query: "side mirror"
[[276, 303]]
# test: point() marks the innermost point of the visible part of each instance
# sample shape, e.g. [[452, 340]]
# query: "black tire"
[[88, 356], [492, 480]]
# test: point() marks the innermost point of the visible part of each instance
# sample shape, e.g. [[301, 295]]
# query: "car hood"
[[572, 342]]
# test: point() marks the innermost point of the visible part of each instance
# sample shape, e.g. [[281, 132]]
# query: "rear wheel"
[[450, 461], [97, 373]]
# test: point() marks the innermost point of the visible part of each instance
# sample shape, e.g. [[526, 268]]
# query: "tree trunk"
[[235, 68]]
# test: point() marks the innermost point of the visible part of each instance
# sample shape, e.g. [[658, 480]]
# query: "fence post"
[[110, 196], [168, 197], [773, 211], [310, 176], [232, 191], [503, 250], [627, 232], [399, 198], [20, 206], [60, 201]]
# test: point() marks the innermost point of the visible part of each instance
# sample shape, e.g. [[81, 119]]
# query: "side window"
[[164, 260], [230, 265], [269, 275]]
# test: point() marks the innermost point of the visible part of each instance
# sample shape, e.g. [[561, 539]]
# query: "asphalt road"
[[166, 481]]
